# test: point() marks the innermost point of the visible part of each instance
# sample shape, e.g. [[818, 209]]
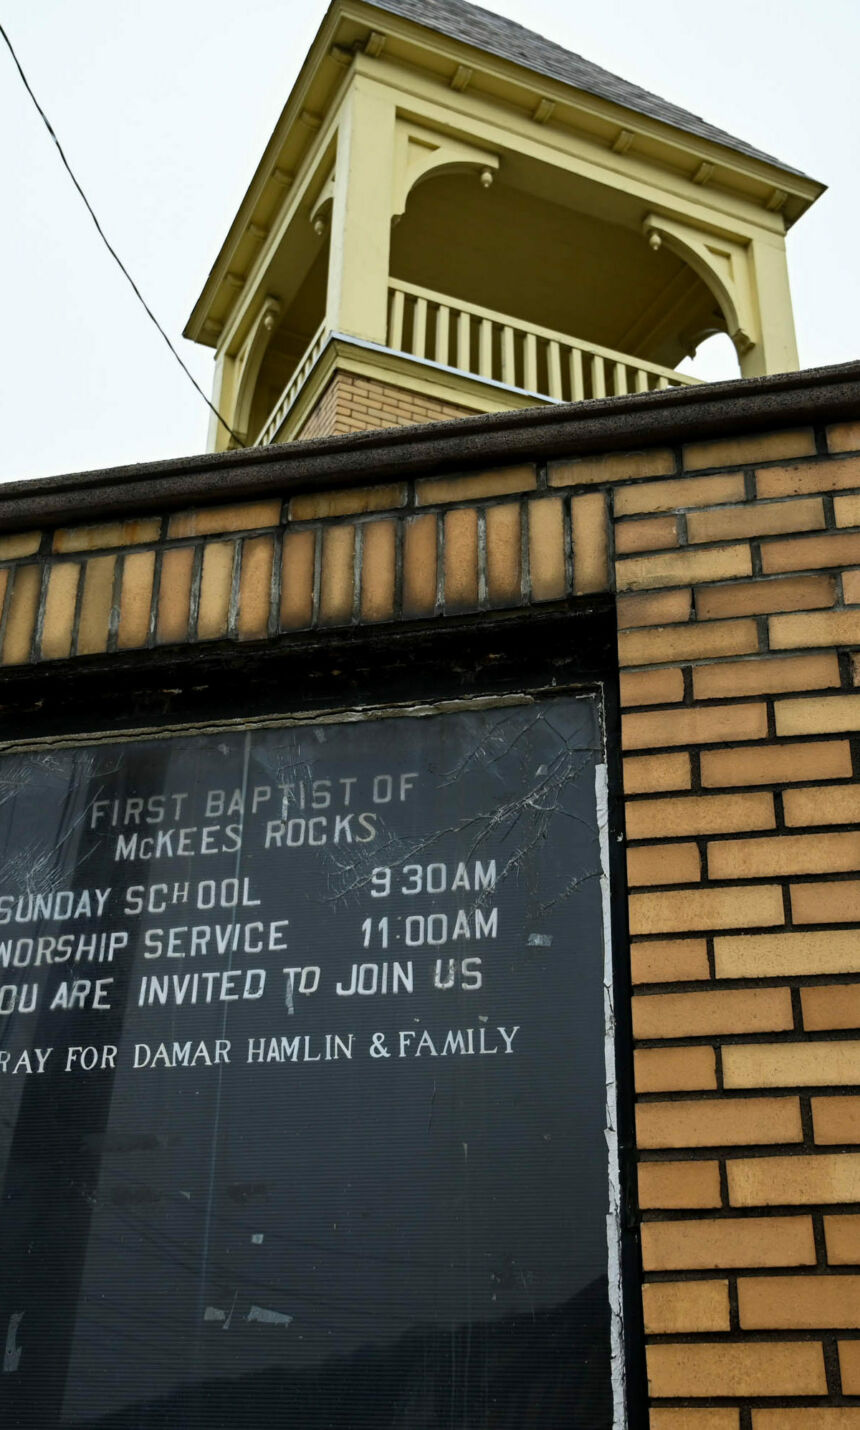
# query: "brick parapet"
[[734, 563]]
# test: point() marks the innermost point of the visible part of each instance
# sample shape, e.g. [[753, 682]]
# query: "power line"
[[111, 250]]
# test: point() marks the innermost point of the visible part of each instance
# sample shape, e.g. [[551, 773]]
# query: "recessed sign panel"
[[303, 1083]]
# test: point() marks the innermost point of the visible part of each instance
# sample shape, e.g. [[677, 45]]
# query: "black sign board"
[[303, 1083]]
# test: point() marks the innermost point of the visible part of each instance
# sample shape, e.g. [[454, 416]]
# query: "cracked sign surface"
[[303, 1096]]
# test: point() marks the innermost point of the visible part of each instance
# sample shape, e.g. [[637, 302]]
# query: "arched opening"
[[715, 360]]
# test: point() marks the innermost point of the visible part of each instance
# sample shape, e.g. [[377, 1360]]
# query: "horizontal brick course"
[[643, 497], [835, 1005], [693, 909], [686, 1306], [719, 1122], [791, 1064], [798, 1303], [775, 593], [788, 954], [763, 447], [693, 1015], [770, 675], [641, 731], [730, 523], [704, 1245], [699, 814], [836, 1120], [732, 1370], [681, 1186], [827, 1177], [777, 764]]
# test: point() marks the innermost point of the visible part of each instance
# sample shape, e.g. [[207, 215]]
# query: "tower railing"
[[499, 348]]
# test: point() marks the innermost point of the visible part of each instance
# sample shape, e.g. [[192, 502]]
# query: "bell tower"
[[455, 215]]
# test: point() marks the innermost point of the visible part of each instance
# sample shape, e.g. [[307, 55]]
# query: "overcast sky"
[[164, 108]]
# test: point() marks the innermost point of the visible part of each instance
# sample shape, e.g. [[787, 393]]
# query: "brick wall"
[[358, 404], [735, 565]]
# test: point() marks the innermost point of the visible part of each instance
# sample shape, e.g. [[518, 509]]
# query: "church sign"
[[306, 1074]]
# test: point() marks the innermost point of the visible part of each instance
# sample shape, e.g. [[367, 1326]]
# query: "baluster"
[[419, 328], [620, 379], [485, 348], [598, 377], [464, 342], [662, 382], [395, 332], [553, 362], [443, 328], [509, 358], [577, 379], [530, 378], [641, 380]]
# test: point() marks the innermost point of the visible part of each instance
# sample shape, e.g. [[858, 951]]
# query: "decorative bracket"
[[322, 206], [248, 362], [421, 153], [723, 266]]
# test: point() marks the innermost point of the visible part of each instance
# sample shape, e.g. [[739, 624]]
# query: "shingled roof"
[[473, 25]]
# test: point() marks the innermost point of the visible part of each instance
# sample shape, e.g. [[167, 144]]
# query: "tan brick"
[[821, 1418], [784, 854], [113, 533], [697, 641], [474, 487], [255, 588], [798, 1303], [138, 579], [683, 568], [461, 559], [214, 520], [504, 554], [791, 1064], [692, 1418], [844, 437], [851, 587], [804, 553], [685, 1306], [589, 531], [675, 1186], [337, 575], [653, 608], [787, 954], [60, 602], [762, 677], [678, 495], [646, 534], [819, 476], [718, 1122], [822, 804], [679, 960], [378, 564], [777, 764], [730, 523], [646, 773], [815, 628], [847, 510], [315, 505], [664, 864], [419, 566], [675, 1070], [818, 716], [836, 1120], [612, 467], [21, 620], [174, 595], [699, 814], [776, 593], [547, 576], [651, 687], [832, 901], [849, 1367], [743, 451], [679, 911], [842, 1234], [837, 1005], [736, 1369], [696, 1015], [216, 584], [710, 725], [96, 605], [718, 1244], [19, 543], [297, 580]]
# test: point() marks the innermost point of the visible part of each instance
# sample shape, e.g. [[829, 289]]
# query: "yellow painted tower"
[[455, 215]]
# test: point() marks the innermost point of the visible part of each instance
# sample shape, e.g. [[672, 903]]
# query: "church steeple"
[[456, 215]]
